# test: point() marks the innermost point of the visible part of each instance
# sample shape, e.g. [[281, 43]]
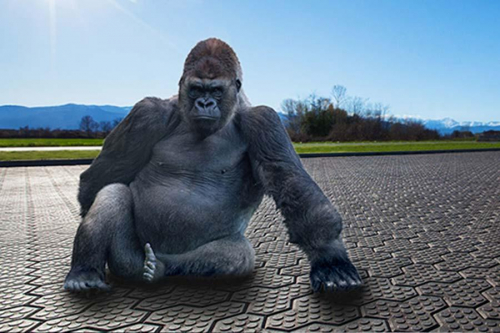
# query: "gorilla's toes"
[[153, 268], [334, 275], [85, 281]]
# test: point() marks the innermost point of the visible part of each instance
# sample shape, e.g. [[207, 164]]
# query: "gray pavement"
[[424, 231]]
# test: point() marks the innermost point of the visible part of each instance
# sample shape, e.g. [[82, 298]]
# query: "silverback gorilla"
[[178, 180]]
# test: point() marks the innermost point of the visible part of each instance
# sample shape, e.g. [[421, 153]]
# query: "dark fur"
[[162, 199], [210, 59]]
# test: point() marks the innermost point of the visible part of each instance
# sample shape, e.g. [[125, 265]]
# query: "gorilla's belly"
[[180, 214]]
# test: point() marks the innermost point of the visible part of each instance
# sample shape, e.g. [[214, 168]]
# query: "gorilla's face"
[[208, 104]]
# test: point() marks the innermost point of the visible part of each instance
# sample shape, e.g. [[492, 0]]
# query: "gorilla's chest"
[[192, 188], [184, 154]]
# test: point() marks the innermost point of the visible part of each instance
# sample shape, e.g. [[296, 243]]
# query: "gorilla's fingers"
[[76, 286], [149, 270], [351, 282], [342, 284], [150, 255], [152, 268], [148, 277], [68, 285], [103, 286], [329, 285], [315, 283], [98, 285]]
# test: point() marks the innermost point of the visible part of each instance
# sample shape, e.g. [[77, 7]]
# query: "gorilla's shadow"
[[190, 282], [342, 297], [233, 284]]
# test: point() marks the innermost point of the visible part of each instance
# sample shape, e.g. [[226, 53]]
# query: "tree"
[[116, 121], [295, 111], [105, 127], [356, 105], [338, 94], [89, 125]]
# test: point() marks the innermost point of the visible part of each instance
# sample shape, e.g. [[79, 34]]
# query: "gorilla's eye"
[[194, 92], [217, 92]]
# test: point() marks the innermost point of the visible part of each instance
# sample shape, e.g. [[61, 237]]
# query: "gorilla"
[[178, 180]]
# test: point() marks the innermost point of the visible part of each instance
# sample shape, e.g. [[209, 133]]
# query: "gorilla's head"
[[209, 87]]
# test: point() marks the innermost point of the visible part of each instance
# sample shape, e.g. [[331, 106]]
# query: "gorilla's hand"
[[334, 273]]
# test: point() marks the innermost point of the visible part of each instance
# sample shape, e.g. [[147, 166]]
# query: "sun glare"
[[52, 7]]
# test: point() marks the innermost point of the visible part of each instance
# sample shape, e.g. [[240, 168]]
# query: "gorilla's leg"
[[106, 234], [231, 256]]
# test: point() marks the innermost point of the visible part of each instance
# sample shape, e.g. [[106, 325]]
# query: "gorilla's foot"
[[334, 274], [85, 280], [154, 269]]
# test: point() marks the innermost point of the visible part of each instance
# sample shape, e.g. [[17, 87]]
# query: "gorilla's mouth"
[[204, 117]]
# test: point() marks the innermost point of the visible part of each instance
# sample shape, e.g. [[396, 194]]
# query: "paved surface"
[[49, 148], [424, 230]]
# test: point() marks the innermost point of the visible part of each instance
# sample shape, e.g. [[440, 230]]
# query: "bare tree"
[[105, 127], [357, 105], [294, 112], [339, 95], [116, 121], [88, 125], [289, 106]]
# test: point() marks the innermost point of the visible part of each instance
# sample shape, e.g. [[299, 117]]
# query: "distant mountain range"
[[448, 125], [68, 116]]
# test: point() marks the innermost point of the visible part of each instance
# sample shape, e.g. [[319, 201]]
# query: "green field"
[[49, 142], [47, 155], [301, 148], [346, 147]]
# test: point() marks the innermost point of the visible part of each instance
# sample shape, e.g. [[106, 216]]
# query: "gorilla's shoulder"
[[154, 110], [155, 104], [258, 118]]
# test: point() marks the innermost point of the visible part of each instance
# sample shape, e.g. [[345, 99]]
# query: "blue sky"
[[431, 58]]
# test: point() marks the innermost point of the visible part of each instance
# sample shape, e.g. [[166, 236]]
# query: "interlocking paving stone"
[[461, 293], [490, 310], [423, 230], [429, 256], [492, 275], [266, 301], [16, 313], [185, 296], [358, 325], [412, 315], [22, 325], [193, 319], [312, 309], [417, 274], [105, 315], [240, 323], [385, 268], [464, 319]]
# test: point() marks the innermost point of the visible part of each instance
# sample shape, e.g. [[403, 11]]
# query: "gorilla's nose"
[[207, 108], [203, 103]]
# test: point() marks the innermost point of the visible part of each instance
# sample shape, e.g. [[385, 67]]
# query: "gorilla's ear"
[[238, 84]]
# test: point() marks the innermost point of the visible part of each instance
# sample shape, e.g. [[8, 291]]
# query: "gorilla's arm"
[[312, 221], [127, 148]]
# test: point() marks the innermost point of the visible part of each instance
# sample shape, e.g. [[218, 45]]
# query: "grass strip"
[[47, 155], [307, 148], [50, 142]]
